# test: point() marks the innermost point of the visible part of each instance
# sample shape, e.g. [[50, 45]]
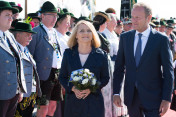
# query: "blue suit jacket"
[[97, 63], [42, 51], [154, 74], [8, 70], [30, 73]]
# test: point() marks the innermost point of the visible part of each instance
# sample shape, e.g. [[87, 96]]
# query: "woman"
[[62, 26], [83, 52], [100, 24]]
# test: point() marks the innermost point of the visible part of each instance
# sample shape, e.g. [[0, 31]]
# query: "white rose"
[[84, 75], [85, 81], [93, 81], [87, 70], [90, 77], [76, 78]]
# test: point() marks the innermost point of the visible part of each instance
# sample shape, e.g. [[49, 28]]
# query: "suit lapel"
[[13, 44], [75, 58], [90, 59], [131, 46], [46, 37], [149, 46], [5, 48]]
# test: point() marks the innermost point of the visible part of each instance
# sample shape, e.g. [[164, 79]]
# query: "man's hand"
[[117, 100], [20, 97], [164, 107]]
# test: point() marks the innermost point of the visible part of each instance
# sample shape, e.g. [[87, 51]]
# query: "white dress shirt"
[[144, 39], [52, 34], [1, 34]]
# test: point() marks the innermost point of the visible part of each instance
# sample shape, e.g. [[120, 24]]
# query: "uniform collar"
[[21, 47]]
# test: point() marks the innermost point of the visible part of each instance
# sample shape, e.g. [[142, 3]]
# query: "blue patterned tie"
[[138, 50]]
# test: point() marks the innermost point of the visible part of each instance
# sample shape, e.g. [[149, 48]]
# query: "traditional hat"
[[72, 15], [162, 23], [157, 23], [83, 18], [6, 6], [152, 24], [23, 27], [34, 16], [119, 22], [103, 14], [63, 13], [48, 7], [170, 26], [15, 5], [170, 21], [127, 20]]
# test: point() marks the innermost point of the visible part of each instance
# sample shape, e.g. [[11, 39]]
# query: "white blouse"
[[83, 58], [114, 41]]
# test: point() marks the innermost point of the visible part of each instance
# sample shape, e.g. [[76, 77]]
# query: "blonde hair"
[[73, 41]]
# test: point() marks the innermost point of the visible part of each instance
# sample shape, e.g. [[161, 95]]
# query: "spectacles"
[[55, 16]]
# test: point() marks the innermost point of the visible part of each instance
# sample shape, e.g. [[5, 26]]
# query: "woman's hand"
[[85, 93], [77, 92]]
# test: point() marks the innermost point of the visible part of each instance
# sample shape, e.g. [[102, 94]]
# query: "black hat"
[[170, 26], [62, 14], [127, 20], [15, 5], [23, 27], [162, 23], [83, 18], [119, 22], [170, 21], [48, 7], [152, 24], [34, 16], [103, 14], [153, 18], [6, 6], [72, 15], [157, 23]]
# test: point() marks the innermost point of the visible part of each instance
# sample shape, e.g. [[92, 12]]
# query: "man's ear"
[[149, 18]]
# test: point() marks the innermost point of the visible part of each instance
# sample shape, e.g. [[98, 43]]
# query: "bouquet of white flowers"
[[84, 79]]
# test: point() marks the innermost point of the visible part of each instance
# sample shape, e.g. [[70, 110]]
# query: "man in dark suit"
[[12, 82], [145, 55]]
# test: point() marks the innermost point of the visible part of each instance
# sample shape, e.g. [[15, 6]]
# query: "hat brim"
[[29, 31], [35, 17], [14, 10], [52, 11], [20, 8]]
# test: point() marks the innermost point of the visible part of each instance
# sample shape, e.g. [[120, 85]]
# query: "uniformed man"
[[46, 52], [16, 15], [12, 82], [23, 35]]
